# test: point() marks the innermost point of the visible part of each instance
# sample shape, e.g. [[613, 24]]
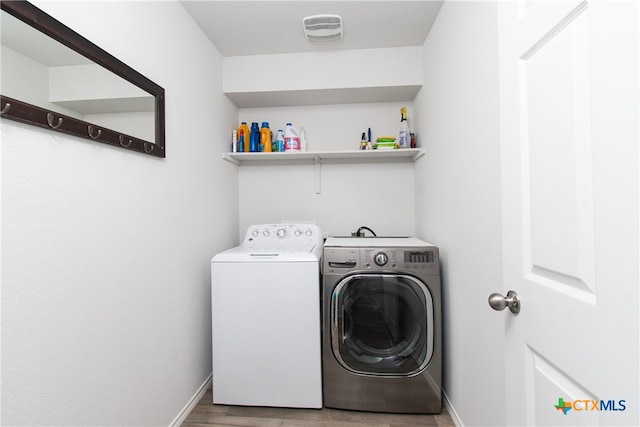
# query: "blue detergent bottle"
[[254, 142]]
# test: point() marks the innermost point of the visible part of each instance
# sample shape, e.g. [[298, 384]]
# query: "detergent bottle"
[[243, 138], [265, 138], [291, 139], [254, 145]]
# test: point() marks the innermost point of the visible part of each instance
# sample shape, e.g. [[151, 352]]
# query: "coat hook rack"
[[20, 111]]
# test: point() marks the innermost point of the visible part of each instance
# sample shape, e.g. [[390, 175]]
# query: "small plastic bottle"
[[280, 141], [303, 139], [291, 139], [363, 142], [405, 134], [254, 146], [234, 141], [265, 138]]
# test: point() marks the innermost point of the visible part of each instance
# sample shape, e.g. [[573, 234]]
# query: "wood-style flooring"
[[206, 414]]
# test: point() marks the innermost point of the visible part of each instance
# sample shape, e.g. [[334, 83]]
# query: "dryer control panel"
[[341, 260]]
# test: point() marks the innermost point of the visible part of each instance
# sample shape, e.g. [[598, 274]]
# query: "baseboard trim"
[[179, 419], [454, 415]]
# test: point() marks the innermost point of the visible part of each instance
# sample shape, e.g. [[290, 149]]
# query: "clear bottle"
[[265, 138], [404, 140], [255, 138], [291, 139], [303, 139]]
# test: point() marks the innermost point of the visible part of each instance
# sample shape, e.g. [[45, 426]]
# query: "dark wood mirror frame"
[[26, 113]]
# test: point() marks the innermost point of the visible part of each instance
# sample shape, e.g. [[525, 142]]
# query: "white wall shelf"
[[309, 157], [333, 77], [305, 97], [406, 155]]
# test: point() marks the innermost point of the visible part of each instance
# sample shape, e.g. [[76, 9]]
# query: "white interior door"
[[569, 135]]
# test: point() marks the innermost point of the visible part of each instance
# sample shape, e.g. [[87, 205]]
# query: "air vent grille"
[[323, 27]]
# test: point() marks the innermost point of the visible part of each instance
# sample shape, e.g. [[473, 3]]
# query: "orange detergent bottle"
[[243, 138], [265, 138]]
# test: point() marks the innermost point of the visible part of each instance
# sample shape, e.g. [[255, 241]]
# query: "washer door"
[[382, 324]]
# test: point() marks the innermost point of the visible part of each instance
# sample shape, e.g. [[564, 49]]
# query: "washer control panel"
[[283, 235]]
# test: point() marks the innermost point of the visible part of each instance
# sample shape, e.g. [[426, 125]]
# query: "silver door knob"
[[499, 302]]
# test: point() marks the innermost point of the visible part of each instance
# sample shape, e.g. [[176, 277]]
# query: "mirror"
[[54, 78]]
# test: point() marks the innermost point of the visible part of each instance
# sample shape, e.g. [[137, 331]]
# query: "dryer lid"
[[376, 242]]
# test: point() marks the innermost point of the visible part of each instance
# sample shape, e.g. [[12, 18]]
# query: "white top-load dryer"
[[265, 301]]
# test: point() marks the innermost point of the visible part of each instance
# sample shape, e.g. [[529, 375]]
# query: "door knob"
[[499, 302]]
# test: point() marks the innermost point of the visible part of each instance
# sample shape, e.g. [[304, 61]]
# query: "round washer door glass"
[[382, 324]]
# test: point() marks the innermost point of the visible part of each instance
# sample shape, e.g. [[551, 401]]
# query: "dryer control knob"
[[381, 259], [281, 232]]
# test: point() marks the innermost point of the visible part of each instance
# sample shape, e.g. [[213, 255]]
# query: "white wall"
[[105, 253], [458, 201], [378, 195]]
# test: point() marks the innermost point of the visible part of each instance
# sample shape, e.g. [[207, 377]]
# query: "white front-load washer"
[[265, 303]]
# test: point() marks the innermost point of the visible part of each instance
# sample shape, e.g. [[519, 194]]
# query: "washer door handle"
[[499, 302]]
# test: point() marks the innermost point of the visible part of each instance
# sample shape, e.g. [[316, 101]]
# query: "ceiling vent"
[[323, 28]]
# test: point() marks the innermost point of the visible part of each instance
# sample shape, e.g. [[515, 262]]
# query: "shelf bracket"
[[318, 173], [228, 158], [419, 154]]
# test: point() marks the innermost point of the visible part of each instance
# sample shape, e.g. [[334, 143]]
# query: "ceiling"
[[266, 27]]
